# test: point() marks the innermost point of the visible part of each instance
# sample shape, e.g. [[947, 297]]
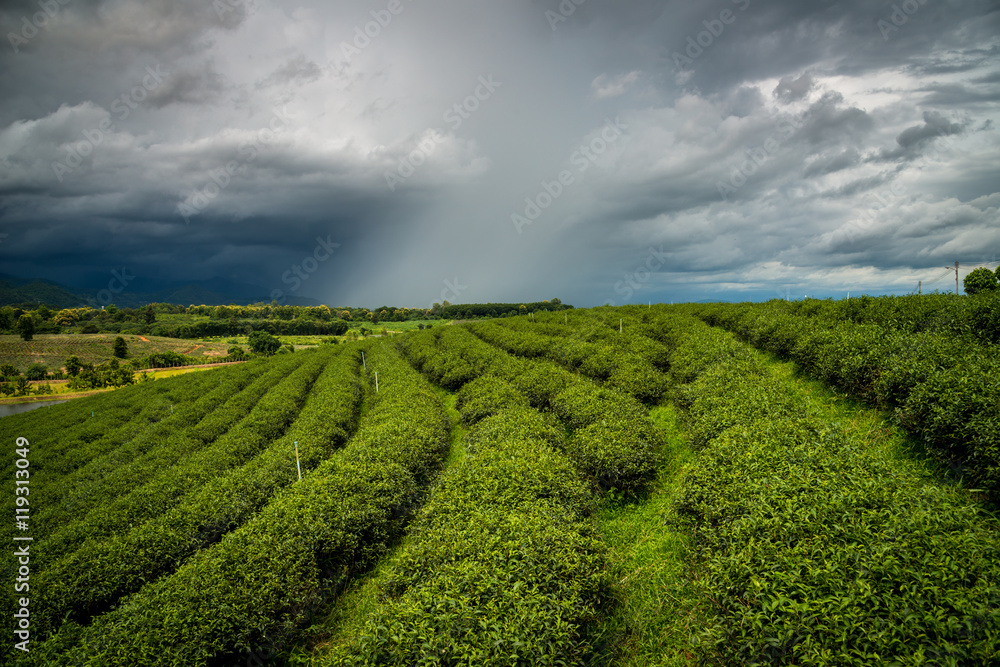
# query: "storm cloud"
[[518, 151]]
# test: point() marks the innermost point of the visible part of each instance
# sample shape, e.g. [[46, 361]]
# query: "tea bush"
[[814, 550], [944, 385], [90, 580], [501, 568], [245, 594]]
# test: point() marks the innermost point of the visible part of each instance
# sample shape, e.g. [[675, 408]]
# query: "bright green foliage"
[[100, 572], [814, 551], [485, 397], [624, 361], [264, 343], [945, 387], [66, 437], [980, 280], [619, 452], [517, 424], [188, 426], [268, 420], [246, 593], [614, 441], [500, 568]]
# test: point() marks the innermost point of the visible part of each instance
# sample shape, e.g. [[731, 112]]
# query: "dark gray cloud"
[[911, 141], [756, 148], [793, 89]]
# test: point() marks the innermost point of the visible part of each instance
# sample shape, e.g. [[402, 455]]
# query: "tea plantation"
[[806, 483]]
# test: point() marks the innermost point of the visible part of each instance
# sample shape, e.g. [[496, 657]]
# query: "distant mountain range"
[[215, 292]]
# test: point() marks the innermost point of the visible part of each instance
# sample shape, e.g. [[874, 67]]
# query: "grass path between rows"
[[871, 428], [655, 605], [346, 614], [656, 602]]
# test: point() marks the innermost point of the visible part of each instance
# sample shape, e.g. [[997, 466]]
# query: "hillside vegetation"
[[806, 483]]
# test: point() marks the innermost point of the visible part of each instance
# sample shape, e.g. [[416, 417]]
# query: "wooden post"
[[297, 464], [376, 382]]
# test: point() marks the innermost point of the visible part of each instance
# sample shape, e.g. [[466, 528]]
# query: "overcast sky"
[[407, 151]]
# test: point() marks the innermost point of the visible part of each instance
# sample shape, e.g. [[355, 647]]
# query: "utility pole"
[[920, 284], [955, 269]]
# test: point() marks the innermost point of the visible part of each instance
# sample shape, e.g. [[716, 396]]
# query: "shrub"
[[36, 371], [120, 348], [253, 587], [980, 280], [500, 565], [486, 396], [799, 532]]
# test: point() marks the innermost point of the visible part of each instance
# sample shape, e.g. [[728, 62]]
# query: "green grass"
[[409, 325], [868, 426], [655, 609]]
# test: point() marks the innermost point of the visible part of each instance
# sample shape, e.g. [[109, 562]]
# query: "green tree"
[[120, 348], [148, 314], [26, 326], [73, 366], [980, 280], [36, 371], [264, 343], [8, 371]]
